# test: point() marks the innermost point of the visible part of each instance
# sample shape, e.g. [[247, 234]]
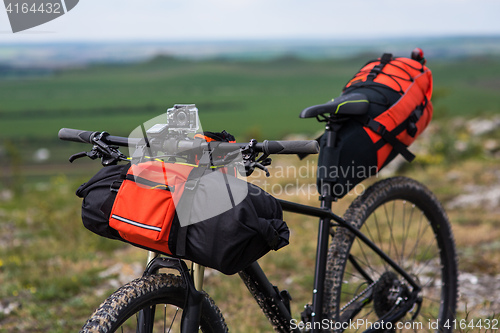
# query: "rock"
[[461, 146], [480, 126], [492, 147], [6, 195], [7, 307], [478, 197], [477, 290]]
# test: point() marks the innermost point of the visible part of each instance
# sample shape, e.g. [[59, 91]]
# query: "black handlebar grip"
[[291, 147], [69, 134]]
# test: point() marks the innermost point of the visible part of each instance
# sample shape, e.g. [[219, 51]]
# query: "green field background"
[[53, 272], [250, 99], [263, 95]]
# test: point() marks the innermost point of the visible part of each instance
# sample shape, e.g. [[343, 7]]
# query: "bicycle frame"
[[326, 216], [263, 289]]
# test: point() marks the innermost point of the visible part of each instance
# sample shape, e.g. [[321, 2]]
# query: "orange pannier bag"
[[144, 207], [397, 92], [410, 114]]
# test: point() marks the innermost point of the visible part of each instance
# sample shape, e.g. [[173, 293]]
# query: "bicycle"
[[390, 261]]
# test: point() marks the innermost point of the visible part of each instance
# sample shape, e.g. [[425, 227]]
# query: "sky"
[[200, 20]]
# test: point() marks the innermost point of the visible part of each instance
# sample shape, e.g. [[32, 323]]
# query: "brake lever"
[[265, 162], [249, 156], [114, 154], [92, 155], [263, 168], [109, 154]]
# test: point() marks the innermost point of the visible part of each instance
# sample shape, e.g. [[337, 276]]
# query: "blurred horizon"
[[66, 53]]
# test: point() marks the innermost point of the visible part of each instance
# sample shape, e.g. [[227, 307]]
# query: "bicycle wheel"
[[164, 295], [404, 219]]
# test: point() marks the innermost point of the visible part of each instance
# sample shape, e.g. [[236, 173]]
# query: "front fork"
[[191, 313], [198, 273]]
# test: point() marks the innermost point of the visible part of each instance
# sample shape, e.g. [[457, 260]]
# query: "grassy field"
[[53, 272], [257, 99], [265, 97]]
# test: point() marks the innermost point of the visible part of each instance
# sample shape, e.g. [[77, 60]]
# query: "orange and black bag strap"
[[377, 69], [115, 186], [386, 59], [410, 125], [389, 137], [414, 117]]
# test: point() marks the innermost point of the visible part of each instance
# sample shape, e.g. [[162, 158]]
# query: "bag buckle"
[[371, 76], [191, 184], [115, 186], [412, 129], [376, 126]]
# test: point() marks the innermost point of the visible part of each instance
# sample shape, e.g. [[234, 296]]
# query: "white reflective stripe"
[[136, 224]]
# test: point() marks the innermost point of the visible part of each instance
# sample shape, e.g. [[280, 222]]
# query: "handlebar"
[[290, 147], [266, 147], [70, 134]]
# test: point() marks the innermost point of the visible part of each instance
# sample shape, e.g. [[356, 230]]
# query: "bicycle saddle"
[[354, 104]]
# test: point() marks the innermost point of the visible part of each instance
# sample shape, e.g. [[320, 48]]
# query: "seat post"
[[333, 125], [331, 133], [323, 234]]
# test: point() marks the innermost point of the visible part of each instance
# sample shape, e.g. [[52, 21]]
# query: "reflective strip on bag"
[[136, 224]]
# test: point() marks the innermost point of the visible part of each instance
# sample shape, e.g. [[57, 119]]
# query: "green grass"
[[466, 87], [48, 262], [250, 99], [118, 98], [238, 96]]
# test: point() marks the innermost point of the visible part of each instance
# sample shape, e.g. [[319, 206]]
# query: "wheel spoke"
[[380, 243], [408, 224], [165, 319], [390, 224], [367, 261], [173, 319]]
